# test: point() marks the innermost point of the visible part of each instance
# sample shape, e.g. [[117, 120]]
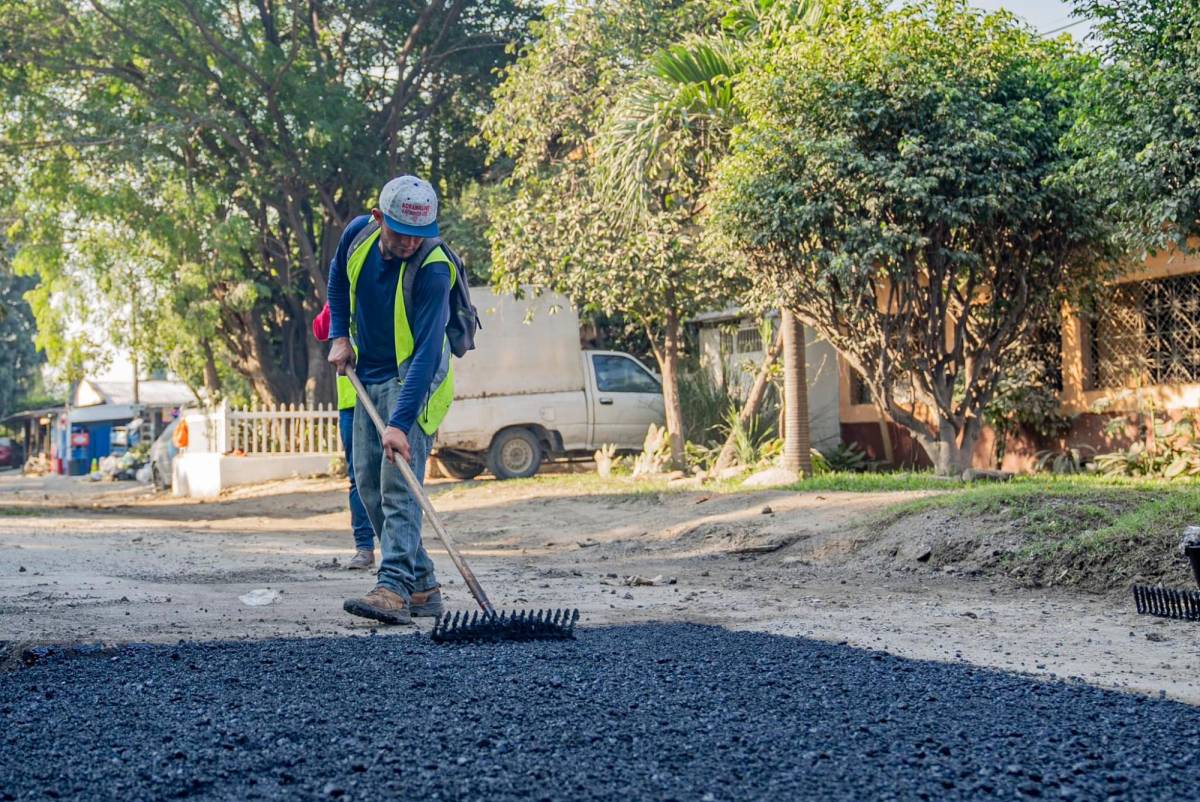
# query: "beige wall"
[[1076, 400]]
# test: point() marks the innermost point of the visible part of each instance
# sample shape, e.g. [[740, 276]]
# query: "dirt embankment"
[[1101, 542]]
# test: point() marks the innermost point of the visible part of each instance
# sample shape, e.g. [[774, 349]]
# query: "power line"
[[1062, 28]]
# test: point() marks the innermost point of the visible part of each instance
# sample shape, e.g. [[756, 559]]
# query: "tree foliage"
[[226, 145], [564, 226], [1141, 125], [899, 184], [19, 370], [677, 120]]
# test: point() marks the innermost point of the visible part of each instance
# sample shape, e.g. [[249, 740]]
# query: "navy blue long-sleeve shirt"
[[374, 319]]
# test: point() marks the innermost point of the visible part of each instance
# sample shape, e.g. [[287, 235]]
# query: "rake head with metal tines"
[[1167, 602], [492, 626]]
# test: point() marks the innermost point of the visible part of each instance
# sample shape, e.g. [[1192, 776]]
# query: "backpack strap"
[[415, 263], [366, 231]]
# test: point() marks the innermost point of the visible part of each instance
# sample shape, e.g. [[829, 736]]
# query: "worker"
[[399, 349], [360, 524]]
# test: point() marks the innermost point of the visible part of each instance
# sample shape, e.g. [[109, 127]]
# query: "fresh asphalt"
[[647, 712]]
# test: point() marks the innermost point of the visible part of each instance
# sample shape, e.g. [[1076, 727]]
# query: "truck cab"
[[530, 392]]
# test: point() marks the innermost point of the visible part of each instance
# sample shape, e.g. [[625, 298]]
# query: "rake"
[[1167, 602], [1172, 602], [486, 624]]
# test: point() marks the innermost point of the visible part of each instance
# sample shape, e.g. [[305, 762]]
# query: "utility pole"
[[133, 301]]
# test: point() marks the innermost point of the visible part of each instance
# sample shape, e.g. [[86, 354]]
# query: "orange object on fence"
[[180, 437]]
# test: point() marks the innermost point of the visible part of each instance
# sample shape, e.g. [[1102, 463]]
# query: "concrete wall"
[[824, 391], [205, 475]]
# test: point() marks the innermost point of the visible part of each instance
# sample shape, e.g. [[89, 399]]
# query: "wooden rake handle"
[[415, 488]]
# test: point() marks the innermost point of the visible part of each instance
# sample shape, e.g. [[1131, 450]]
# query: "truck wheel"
[[460, 466], [515, 454]]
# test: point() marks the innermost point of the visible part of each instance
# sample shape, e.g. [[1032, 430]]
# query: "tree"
[[900, 185], [797, 436], [231, 142], [689, 95], [19, 368], [1141, 122], [564, 225]]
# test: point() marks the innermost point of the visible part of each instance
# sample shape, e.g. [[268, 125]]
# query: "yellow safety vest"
[[438, 403], [347, 398]]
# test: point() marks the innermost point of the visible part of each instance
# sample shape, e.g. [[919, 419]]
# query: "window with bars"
[[860, 393], [726, 346], [745, 340], [1047, 349], [1146, 333], [749, 341]]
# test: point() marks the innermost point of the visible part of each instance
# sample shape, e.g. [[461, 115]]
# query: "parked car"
[[11, 453], [530, 391], [162, 453]]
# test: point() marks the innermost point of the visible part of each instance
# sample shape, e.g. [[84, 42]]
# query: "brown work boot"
[[362, 560], [380, 604], [427, 603]]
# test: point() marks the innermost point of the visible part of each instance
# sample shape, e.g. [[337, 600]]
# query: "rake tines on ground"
[[1167, 602], [493, 626], [487, 624]]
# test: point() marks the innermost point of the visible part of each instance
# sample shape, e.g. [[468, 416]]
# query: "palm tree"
[[797, 439], [667, 133]]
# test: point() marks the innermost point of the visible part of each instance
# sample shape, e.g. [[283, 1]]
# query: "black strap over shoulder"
[[414, 264], [366, 231], [464, 318]]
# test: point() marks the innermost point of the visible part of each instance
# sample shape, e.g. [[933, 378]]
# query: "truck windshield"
[[619, 374]]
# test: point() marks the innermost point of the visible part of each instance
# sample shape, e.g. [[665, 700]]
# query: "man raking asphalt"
[[399, 309], [491, 625]]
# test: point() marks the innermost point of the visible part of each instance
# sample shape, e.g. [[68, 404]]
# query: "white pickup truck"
[[530, 391]]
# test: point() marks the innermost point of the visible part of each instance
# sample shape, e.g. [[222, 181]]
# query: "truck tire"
[[460, 466], [515, 454]]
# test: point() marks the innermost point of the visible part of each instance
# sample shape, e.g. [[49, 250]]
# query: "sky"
[[1044, 15]]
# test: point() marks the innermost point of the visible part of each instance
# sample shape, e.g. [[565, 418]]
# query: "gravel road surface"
[[671, 711]]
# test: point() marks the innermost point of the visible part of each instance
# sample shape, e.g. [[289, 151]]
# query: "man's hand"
[[341, 354], [395, 443]]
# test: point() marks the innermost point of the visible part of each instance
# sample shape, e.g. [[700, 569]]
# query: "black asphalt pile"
[[649, 712]]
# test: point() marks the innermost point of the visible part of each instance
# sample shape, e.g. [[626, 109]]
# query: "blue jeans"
[[394, 513], [364, 535]]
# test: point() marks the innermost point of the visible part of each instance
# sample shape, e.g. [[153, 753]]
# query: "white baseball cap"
[[409, 206]]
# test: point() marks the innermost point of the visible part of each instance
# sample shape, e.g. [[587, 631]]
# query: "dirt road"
[[83, 562]]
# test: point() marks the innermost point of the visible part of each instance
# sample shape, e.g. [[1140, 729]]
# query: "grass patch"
[[1094, 533], [875, 482], [583, 484], [22, 511], [593, 484], [1025, 495], [1138, 543]]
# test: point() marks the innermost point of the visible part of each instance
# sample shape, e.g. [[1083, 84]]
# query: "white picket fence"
[[266, 430], [288, 429]]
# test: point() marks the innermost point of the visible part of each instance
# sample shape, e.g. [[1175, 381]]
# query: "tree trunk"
[[951, 453], [669, 362], [212, 379], [797, 442], [753, 401], [320, 388]]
